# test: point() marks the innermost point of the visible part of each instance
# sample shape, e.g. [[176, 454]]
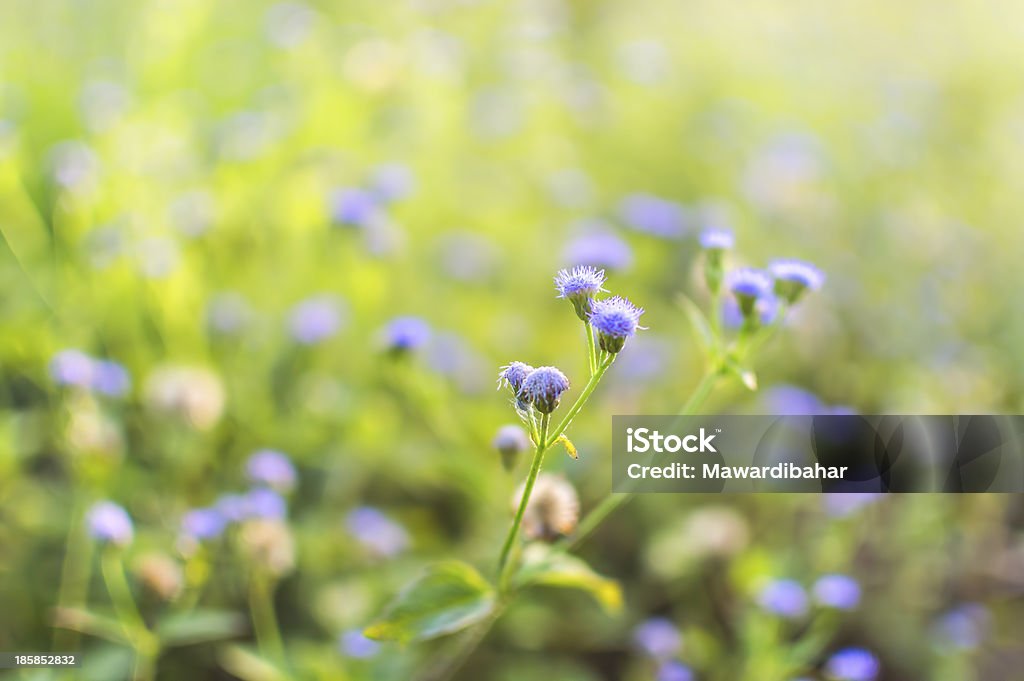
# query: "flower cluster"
[[74, 368]]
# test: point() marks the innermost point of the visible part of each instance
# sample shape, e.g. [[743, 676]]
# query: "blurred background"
[[211, 215]]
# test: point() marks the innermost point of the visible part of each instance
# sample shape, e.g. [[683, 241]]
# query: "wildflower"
[[264, 503], [837, 591], [749, 286], [392, 181], [717, 239], [513, 375], [192, 394], [315, 319], [268, 544], [658, 637], [615, 319], [785, 400], [674, 671], [203, 523], [843, 504], [406, 334], [783, 597], [599, 249], [354, 207], [510, 441], [357, 646], [108, 522], [271, 468], [793, 277], [72, 368], [553, 509], [852, 664], [579, 286], [965, 627], [110, 378], [653, 215], [377, 533], [160, 574], [543, 388]]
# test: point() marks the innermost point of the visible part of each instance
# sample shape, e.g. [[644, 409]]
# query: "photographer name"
[[717, 471]]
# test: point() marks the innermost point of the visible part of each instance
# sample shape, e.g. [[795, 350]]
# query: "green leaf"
[[448, 597], [199, 626], [107, 663], [247, 665], [544, 567], [570, 448], [700, 324], [88, 622]]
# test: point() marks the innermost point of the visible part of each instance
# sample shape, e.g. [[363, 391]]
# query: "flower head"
[[749, 285], [717, 239], [553, 509], [653, 215], [600, 249], [264, 503], [793, 277], [514, 374], [615, 319], [406, 334], [353, 207], [658, 638], [837, 591], [783, 597], [379, 534], [203, 523], [271, 468], [269, 544], [674, 671], [392, 181], [353, 643], [161, 574], [315, 319], [109, 522], [543, 388], [191, 394], [965, 627], [510, 441], [579, 286], [853, 664]]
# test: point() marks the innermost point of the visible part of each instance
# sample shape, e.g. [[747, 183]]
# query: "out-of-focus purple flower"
[[841, 505], [785, 400], [779, 175], [227, 313], [747, 282], [263, 502], [203, 523], [376, 532], [72, 367], [392, 181], [232, 507], [853, 664], [716, 239], [599, 249], [354, 644], [450, 355], [271, 468], [110, 378], [510, 441], [837, 591], [315, 319], [110, 523], [794, 277], [783, 597], [766, 307], [354, 207], [674, 671], [648, 360], [658, 638], [288, 24], [406, 334], [653, 215], [965, 627], [75, 165]]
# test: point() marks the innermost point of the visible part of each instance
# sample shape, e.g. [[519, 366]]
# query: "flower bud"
[[268, 544], [749, 285], [161, 575], [510, 441], [553, 509], [543, 389], [794, 277], [579, 286], [615, 320]]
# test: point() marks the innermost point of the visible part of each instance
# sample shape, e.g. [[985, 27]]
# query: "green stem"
[[75, 572], [591, 349], [264, 619], [580, 401], [513, 532], [145, 644]]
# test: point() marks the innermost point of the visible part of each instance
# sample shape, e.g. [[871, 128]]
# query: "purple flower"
[[837, 591], [965, 627], [353, 207], [376, 532], [749, 286], [615, 319], [72, 367], [513, 375], [109, 522], [853, 664], [315, 319], [843, 504], [392, 181], [674, 671], [271, 468], [406, 334], [658, 637], [579, 286], [793, 277], [784, 400], [263, 502], [357, 646], [599, 249], [233, 507], [717, 239], [203, 523], [543, 388], [653, 215], [110, 378], [510, 441], [783, 597]]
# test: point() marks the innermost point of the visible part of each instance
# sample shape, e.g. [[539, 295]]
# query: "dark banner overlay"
[[834, 453]]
